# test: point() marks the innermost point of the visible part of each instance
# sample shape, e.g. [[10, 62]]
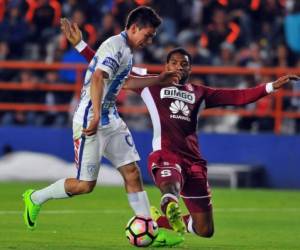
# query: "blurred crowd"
[[248, 33]]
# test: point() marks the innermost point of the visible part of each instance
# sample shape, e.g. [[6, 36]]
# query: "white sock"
[[169, 195], [54, 191], [190, 228], [139, 202]]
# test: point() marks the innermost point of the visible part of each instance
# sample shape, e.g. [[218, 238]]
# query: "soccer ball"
[[141, 231]]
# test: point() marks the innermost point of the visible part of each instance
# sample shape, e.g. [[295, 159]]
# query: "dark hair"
[[181, 51], [143, 16]]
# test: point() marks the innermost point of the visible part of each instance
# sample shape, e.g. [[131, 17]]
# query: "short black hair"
[[143, 16], [181, 51]]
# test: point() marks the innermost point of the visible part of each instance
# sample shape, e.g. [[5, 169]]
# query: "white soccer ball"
[[141, 231]]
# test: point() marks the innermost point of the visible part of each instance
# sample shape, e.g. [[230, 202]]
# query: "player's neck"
[[124, 34]]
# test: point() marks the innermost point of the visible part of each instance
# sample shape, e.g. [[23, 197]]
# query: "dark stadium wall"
[[279, 155]]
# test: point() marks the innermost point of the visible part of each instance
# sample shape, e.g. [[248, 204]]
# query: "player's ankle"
[[165, 200]]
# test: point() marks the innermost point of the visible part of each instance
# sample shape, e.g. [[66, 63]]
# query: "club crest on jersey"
[[175, 93], [189, 87]]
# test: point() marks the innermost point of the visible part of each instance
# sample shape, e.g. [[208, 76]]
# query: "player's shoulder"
[[116, 41], [194, 86]]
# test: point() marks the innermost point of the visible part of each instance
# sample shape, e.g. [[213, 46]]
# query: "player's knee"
[[132, 175], [204, 231], [172, 187]]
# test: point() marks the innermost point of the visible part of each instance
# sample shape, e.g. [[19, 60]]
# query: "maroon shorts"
[[195, 191]]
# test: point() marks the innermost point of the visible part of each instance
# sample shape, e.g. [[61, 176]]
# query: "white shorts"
[[114, 143]]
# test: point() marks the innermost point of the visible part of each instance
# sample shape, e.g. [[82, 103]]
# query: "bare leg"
[[202, 224], [76, 187], [137, 197]]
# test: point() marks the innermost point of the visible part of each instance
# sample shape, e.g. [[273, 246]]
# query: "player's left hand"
[[92, 128], [284, 80], [71, 31], [169, 77]]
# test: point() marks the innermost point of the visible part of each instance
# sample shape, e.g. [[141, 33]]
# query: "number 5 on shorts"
[[165, 173]]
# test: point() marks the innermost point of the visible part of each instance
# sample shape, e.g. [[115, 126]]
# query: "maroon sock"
[[186, 219], [163, 222]]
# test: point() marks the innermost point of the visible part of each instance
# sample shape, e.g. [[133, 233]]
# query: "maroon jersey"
[[174, 112]]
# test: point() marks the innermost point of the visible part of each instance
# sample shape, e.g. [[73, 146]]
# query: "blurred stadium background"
[[234, 43]]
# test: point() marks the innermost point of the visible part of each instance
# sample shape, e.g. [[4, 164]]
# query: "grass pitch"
[[244, 219]]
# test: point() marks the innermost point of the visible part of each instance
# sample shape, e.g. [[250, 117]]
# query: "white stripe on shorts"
[[196, 197]]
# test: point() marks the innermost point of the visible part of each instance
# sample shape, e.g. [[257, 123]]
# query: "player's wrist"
[[96, 118], [270, 87], [80, 46]]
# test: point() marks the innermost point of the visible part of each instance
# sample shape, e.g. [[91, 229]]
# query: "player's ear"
[[166, 67], [133, 28]]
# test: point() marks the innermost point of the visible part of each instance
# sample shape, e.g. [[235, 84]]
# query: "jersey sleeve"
[[108, 57], [86, 51], [220, 97]]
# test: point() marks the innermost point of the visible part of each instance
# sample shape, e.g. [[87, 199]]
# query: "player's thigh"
[[120, 148], [167, 178], [165, 169], [87, 154], [197, 196]]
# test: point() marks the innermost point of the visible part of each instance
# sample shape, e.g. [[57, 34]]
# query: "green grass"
[[244, 219]]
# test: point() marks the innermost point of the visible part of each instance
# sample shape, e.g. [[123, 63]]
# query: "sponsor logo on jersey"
[[111, 63], [179, 106], [175, 93], [118, 56]]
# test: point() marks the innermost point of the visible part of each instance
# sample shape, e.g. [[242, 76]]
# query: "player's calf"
[[203, 231], [76, 187], [200, 224]]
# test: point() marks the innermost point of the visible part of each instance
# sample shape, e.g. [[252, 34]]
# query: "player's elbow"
[[99, 75], [128, 85]]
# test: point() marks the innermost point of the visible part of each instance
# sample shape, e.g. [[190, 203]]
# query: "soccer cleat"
[[31, 210], [166, 239], [155, 213], [173, 214]]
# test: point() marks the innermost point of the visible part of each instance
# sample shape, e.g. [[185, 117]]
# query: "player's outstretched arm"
[[222, 97], [164, 78]]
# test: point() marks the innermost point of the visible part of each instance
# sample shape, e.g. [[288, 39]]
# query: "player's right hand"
[[71, 31], [92, 128], [280, 82], [169, 77]]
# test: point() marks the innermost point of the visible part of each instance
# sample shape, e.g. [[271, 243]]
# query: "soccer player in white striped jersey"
[[98, 129]]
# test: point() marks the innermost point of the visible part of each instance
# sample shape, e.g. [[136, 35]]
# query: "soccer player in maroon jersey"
[[176, 164]]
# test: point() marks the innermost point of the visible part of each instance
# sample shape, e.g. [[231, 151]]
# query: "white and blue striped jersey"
[[114, 56]]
